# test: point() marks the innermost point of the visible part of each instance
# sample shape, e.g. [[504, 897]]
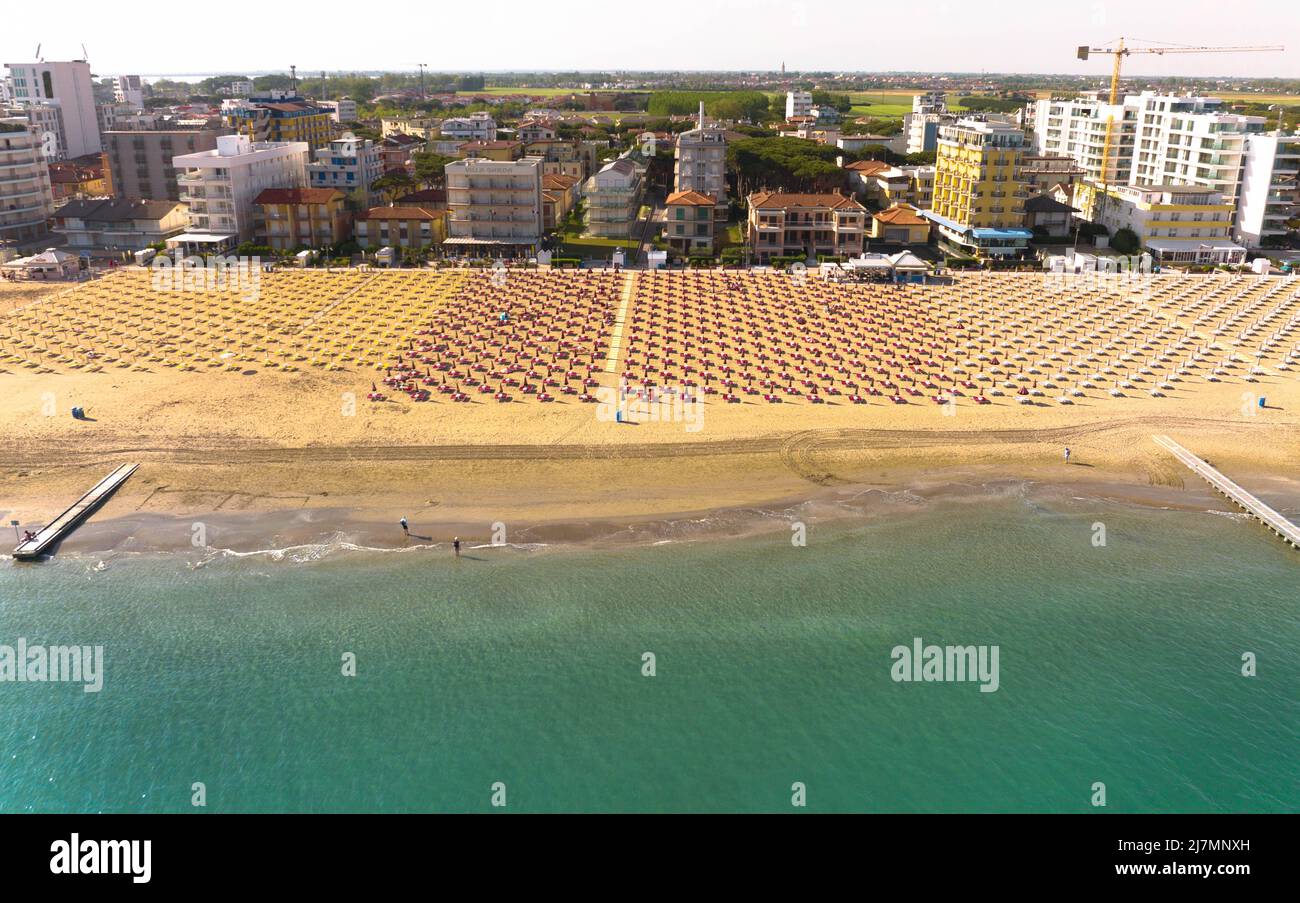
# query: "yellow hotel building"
[[979, 195]]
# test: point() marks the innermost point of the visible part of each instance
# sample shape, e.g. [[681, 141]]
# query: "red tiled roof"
[[902, 215], [297, 196], [402, 212], [783, 200], [868, 166], [692, 198]]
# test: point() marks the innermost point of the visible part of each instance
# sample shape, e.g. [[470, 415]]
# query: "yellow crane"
[[1119, 52]]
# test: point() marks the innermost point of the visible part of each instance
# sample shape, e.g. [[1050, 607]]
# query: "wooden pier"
[[1284, 528], [66, 522]]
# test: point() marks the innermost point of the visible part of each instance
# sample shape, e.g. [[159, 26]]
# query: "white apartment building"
[[930, 102], [700, 162], [241, 88], [26, 201], [1189, 141], [351, 165], [342, 110], [1076, 128], [1158, 139], [798, 103], [474, 127], [69, 85], [128, 89], [613, 198], [220, 185], [1270, 193], [46, 119], [1176, 223], [494, 207]]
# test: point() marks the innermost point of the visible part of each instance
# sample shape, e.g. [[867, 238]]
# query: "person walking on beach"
[[1067, 454], [406, 530], [455, 545]]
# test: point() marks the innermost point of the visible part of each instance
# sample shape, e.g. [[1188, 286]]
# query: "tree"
[[430, 168], [393, 185], [1125, 241]]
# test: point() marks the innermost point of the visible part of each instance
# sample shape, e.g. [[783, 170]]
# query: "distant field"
[[1286, 100], [547, 92]]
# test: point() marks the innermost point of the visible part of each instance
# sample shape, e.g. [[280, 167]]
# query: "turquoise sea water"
[[1118, 664]]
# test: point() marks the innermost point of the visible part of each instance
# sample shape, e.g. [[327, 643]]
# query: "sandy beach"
[[292, 454]]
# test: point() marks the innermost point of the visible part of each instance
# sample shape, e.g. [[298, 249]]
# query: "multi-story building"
[[1176, 223], [221, 185], [241, 88], [1270, 194], [26, 202], [537, 130], [140, 162], [351, 165], [492, 150], [119, 224], [69, 85], [494, 206], [77, 180], [805, 225], [1043, 173], [613, 198], [1191, 141], [129, 90], [402, 226], [422, 127], [901, 224], [559, 196], [921, 126], [798, 103], [979, 197], [279, 117], [290, 218], [46, 120], [700, 165], [342, 111], [690, 224], [396, 152], [474, 127], [1157, 139], [1076, 128]]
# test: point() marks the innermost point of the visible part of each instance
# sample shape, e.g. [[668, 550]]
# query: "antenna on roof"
[[38, 53], [84, 56]]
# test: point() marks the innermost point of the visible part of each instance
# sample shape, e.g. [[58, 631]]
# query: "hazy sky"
[[1001, 35]]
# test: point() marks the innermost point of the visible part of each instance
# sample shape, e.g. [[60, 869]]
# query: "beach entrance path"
[[620, 323]]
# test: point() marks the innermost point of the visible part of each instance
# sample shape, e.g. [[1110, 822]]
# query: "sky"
[[673, 35]]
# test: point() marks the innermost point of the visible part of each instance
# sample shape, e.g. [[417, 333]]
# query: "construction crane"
[[1119, 52]]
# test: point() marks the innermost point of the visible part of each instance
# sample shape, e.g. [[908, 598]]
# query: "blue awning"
[[942, 221], [987, 234]]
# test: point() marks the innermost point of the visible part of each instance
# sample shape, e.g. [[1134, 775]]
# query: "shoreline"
[[303, 533]]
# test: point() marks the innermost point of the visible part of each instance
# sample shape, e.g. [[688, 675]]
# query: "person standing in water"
[[406, 530], [455, 544], [1067, 455]]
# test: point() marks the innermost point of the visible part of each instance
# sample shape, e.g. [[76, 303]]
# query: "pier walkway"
[[1234, 493], [66, 522]]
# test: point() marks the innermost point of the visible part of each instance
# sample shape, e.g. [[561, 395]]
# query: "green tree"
[[393, 185], [1125, 241], [430, 168]]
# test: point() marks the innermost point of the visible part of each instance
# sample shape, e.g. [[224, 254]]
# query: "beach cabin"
[[49, 264], [908, 267]]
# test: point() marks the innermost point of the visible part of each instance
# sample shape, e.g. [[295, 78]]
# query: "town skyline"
[[749, 41]]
